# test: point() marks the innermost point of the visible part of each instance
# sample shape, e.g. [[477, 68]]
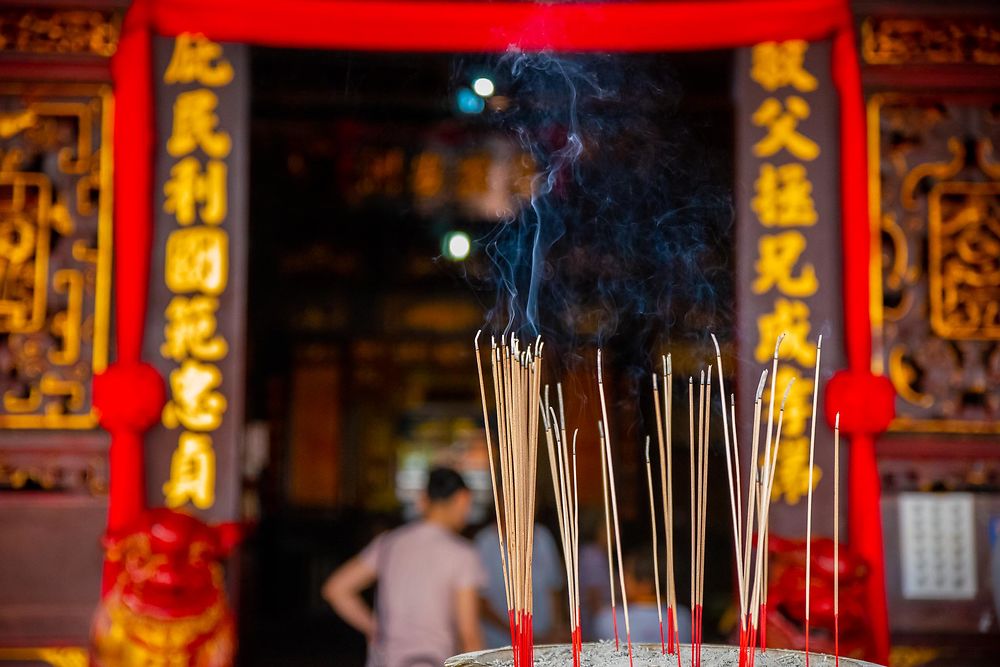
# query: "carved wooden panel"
[[909, 40], [936, 280], [55, 252], [55, 31]]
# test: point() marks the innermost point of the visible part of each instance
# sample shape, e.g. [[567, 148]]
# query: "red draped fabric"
[[128, 396]]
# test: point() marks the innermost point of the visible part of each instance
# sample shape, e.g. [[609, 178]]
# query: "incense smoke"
[[624, 242]]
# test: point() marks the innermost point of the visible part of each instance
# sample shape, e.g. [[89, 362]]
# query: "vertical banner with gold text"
[[197, 306], [788, 262]]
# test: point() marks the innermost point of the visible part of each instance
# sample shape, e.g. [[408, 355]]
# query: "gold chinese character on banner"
[[783, 196], [790, 318], [777, 64], [192, 472], [196, 125], [194, 403], [197, 260], [189, 186], [196, 58], [791, 475], [779, 254], [191, 330], [781, 122]]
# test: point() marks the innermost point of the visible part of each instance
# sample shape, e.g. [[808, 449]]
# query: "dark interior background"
[[360, 327]]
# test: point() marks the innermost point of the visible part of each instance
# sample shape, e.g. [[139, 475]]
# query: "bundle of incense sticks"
[[664, 425], [519, 403], [699, 503], [751, 564], [605, 434], [516, 391], [564, 486]]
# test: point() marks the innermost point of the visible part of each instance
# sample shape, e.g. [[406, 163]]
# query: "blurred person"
[[427, 601], [640, 583], [548, 572]]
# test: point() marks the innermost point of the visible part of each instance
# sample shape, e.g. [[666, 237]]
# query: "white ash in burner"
[[603, 654]]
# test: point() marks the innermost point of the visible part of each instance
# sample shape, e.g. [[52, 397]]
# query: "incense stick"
[[656, 560], [704, 509], [752, 486], [578, 632], [493, 475], [666, 490], [767, 458], [836, 540], [614, 501], [809, 501], [668, 381], [694, 512], [564, 481], [734, 490], [555, 451], [607, 526], [764, 554]]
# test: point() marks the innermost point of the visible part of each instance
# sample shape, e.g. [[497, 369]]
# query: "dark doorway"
[[377, 183]]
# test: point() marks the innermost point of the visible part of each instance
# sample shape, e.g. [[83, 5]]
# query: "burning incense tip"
[[576, 432], [476, 341], [654, 381], [647, 449], [760, 385], [669, 365], [819, 341], [836, 421], [777, 343], [715, 340], [788, 390], [600, 373]]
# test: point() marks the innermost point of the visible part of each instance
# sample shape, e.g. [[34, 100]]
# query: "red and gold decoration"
[[168, 605], [131, 393], [786, 597]]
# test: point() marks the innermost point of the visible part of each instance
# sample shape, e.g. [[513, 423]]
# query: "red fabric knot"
[[129, 396], [866, 402]]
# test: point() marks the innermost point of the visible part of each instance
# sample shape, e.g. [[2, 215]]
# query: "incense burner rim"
[[489, 657]]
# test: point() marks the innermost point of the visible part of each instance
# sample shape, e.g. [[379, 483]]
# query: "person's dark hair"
[[443, 483], [639, 563]]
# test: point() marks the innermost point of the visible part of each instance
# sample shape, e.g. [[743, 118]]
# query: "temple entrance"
[[378, 183]]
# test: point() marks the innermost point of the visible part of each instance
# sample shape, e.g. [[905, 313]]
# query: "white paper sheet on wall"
[[938, 543]]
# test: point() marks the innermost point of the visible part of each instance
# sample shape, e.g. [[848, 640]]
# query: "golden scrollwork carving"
[[930, 41], [964, 259], [55, 245], [59, 31], [935, 218]]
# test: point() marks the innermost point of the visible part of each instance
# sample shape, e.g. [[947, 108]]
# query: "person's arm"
[[343, 591], [467, 617]]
